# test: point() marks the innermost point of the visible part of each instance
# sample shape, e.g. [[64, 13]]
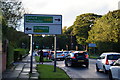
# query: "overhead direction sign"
[[42, 24]]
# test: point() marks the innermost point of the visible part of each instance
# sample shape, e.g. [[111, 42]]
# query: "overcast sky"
[[69, 9]]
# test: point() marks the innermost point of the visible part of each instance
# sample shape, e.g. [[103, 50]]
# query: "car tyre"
[[104, 70], [97, 69], [87, 65]]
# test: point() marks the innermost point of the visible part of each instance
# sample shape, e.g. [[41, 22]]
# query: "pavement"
[[21, 70]]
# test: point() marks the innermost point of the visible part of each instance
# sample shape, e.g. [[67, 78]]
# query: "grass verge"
[[46, 72]]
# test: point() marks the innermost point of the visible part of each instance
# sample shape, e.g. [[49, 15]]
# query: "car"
[[77, 58], [66, 52], [46, 52], [59, 56], [35, 53], [105, 60], [114, 71]]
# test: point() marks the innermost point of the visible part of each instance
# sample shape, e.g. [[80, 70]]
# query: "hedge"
[[20, 53]]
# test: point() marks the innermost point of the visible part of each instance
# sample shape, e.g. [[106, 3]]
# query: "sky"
[[69, 9]]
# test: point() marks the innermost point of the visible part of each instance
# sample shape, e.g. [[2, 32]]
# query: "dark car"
[[77, 58]]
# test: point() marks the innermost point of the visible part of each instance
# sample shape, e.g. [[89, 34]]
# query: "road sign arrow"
[[28, 29], [57, 19]]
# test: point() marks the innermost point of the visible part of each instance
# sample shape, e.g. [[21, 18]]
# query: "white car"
[[105, 60], [114, 72]]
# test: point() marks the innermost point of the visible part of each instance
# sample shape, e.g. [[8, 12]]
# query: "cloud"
[[70, 8]]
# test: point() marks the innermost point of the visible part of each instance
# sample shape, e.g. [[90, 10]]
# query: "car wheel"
[[97, 69], [104, 70], [110, 75], [87, 65]]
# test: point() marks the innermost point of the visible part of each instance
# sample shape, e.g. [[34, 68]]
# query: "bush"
[[20, 53]]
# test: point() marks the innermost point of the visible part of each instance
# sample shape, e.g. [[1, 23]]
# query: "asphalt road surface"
[[81, 72]]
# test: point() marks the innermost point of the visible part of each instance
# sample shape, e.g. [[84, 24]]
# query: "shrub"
[[19, 53]]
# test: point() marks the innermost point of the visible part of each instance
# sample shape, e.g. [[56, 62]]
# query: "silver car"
[[59, 56], [66, 52], [105, 60], [114, 72]]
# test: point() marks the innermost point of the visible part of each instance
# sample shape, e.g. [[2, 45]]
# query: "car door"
[[119, 72], [116, 70]]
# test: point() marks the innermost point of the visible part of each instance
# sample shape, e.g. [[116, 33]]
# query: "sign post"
[[31, 47], [42, 24]]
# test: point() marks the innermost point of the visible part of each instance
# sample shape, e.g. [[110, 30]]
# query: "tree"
[[82, 25], [106, 32], [13, 12]]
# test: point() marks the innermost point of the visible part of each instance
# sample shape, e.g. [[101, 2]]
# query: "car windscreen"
[[113, 57]]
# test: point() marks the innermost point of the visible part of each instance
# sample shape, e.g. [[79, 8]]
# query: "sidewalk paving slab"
[[21, 71]]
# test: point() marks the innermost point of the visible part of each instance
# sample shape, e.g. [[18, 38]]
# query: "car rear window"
[[66, 52], [59, 53], [113, 57], [79, 55]]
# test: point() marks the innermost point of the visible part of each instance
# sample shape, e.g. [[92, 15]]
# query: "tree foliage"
[[82, 25], [12, 12], [67, 31], [106, 32]]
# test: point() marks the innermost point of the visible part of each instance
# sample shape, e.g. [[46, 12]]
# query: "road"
[[82, 72]]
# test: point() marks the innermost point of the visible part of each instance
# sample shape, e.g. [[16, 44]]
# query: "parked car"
[[105, 60], [114, 71], [77, 58], [59, 55]]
